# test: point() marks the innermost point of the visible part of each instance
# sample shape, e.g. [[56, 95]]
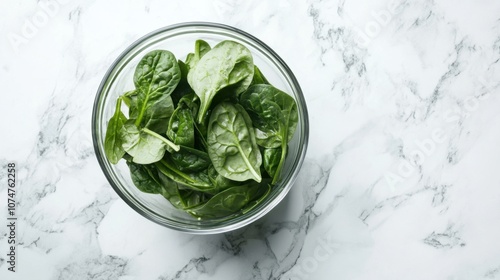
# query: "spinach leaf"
[[183, 87], [190, 198], [271, 159], [227, 64], [145, 177], [128, 96], [258, 77], [170, 191], [218, 181], [159, 114], [260, 196], [113, 141], [190, 160], [200, 49], [181, 127], [145, 146], [190, 101], [226, 202], [273, 113], [197, 181], [231, 143], [156, 76], [267, 120], [190, 60], [178, 196]]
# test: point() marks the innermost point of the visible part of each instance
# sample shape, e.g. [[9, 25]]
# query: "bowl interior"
[[180, 40]]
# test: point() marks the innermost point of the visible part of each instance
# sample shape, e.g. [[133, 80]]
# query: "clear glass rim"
[[241, 220]]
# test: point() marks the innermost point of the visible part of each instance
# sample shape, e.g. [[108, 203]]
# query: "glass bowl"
[[179, 39]]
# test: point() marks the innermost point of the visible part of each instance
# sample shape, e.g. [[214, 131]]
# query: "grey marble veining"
[[401, 176]]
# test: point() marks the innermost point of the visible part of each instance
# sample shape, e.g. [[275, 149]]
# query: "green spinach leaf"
[[220, 182], [190, 101], [179, 196], [145, 146], [112, 140], [128, 96], [258, 77], [231, 143], [155, 78], [183, 87], [227, 202], [200, 49], [159, 114], [190, 198], [227, 64], [181, 127], [190, 160], [170, 191], [145, 177], [272, 157], [263, 192], [273, 113], [197, 181]]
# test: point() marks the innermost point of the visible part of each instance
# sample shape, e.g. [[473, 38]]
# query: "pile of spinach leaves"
[[209, 133]]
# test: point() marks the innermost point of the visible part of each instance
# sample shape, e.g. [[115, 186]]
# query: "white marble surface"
[[402, 175]]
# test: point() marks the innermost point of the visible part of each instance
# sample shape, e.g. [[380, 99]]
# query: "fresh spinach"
[[218, 181], [159, 114], [227, 202], [197, 181], [145, 146], [258, 77], [271, 160], [190, 198], [200, 49], [227, 64], [209, 134], [266, 119], [264, 191], [170, 191], [128, 96], [190, 160], [179, 196], [231, 143], [112, 140], [156, 76], [183, 87], [273, 112], [145, 177], [190, 101], [181, 127]]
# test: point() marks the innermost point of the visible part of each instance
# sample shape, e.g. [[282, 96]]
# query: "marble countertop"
[[401, 179]]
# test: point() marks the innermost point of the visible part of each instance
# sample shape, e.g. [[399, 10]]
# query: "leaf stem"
[[165, 164], [118, 107], [280, 165], [165, 140], [201, 115], [141, 112]]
